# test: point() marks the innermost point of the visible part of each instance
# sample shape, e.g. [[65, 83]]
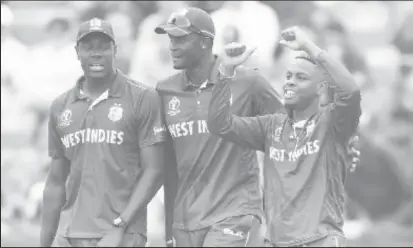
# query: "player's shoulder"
[[142, 94], [61, 101], [278, 118], [135, 87], [170, 83]]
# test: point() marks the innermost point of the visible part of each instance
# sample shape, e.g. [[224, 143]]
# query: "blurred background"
[[374, 39]]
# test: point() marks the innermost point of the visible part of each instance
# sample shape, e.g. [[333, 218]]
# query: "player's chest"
[[186, 113], [194, 105], [108, 115], [289, 143]]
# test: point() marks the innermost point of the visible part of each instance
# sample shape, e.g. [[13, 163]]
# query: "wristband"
[[120, 222], [170, 242]]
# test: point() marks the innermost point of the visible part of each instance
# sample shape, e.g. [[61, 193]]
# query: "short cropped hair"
[[326, 77], [305, 56]]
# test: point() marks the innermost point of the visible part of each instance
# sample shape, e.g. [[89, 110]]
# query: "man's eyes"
[[301, 77], [297, 77], [180, 39], [100, 47]]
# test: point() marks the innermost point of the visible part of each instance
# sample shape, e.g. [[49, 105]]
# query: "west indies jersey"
[[102, 141], [217, 178], [304, 177]]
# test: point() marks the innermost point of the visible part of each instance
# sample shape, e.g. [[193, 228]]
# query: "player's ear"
[[204, 43], [77, 51], [115, 49], [322, 88]]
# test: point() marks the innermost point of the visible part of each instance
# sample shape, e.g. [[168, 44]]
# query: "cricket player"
[[217, 201], [105, 141], [304, 185]]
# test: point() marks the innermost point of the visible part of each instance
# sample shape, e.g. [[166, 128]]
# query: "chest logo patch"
[[115, 113], [174, 106], [66, 118], [277, 134]]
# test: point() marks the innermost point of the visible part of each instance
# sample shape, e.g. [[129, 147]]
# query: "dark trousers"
[[328, 241], [129, 240], [240, 231]]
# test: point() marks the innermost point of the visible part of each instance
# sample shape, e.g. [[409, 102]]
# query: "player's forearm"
[[247, 132], [148, 185], [54, 197], [343, 81]]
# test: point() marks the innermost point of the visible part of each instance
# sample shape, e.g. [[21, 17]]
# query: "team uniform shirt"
[[102, 141], [304, 181], [217, 179]]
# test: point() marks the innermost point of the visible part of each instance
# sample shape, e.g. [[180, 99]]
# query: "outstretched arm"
[[248, 132]]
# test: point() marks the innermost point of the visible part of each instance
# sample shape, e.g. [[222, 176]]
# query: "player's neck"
[[95, 87], [300, 114], [200, 73]]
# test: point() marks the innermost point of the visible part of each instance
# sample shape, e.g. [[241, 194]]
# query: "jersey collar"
[[116, 90], [212, 79]]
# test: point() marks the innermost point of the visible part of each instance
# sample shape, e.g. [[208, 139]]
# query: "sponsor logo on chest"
[[65, 118], [173, 106]]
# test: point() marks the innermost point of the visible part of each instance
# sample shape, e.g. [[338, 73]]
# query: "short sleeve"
[[56, 149], [151, 128]]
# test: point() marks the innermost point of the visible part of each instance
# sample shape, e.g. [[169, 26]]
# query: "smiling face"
[[186, 51], [302, 84], [96, 53]]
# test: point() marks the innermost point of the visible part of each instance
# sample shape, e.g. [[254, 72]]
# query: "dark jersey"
[[217, 179], [102, 142], [304, 177]]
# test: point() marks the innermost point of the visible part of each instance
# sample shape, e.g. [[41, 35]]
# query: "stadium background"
[[372, 38]]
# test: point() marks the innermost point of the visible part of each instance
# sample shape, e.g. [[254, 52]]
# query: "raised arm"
[[248, 132], [345, 110], [54, 193]]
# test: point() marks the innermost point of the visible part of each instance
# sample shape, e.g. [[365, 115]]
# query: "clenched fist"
[[234, 54], [295, 38]]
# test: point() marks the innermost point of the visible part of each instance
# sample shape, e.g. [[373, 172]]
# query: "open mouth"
[[96, 67], [289, 94]]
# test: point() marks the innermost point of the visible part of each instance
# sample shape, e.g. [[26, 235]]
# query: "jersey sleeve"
[[248, 132], [151, 128], [346, 107], [266, 100], [55, 145]]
